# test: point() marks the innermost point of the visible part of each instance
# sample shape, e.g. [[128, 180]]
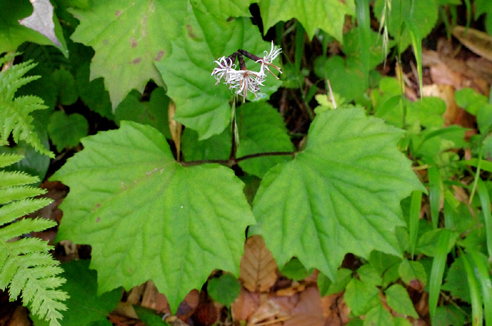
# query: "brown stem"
[[232, 162]]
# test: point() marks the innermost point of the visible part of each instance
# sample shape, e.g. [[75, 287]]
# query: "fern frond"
[[26, 266], [10, 179], [14, 112], [7, 160], [18, 193]]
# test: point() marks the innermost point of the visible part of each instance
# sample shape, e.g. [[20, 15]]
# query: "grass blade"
[[476, 300], [485, 201], [413, 225], [417, 48], [434, 193], [437, 271], [481, 269], [364, 23]]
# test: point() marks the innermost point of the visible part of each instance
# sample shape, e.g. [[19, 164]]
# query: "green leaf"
[[67, 91], [13, 34], [369, 275], [355, 322], [344, 74], [485, 202], [217, 147], [328, 15], [148, 316], [224, 9], [148, 217], [328, 200], [44, 87], [428, 242], [378, 316], [84, 305], [359, 296], [128, 37], [152, 113], [93, 93], [33, 163], [475, 295], [400, 321], [224, 289], [413, 220], [200, 104], [295, 270], [261, 129], [423, 12], [470, 100], [41, 20], [456, 281], [413, 274], [327, 287], [449, 316], [482, 269], [67, 130], [398, 299], [445, 242]]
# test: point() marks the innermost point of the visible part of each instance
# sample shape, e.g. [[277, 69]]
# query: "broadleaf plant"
[[201, 105], [119, 29], [174, 224], [322, 204], [190, 165]]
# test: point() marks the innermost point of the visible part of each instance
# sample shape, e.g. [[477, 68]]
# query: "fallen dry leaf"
[[245, 305], [449, 71], [258, 268], [152, 299], [175, 128], [446, 93], [295, 287], [274, 309], [308, 311], [477, 41], [189, 304]]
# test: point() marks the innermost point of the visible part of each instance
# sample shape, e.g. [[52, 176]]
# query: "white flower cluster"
[[245, 80]]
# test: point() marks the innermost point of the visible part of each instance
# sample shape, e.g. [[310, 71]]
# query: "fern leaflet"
[[14, 112], [26, 266]]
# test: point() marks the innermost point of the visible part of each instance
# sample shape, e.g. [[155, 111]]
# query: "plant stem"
[[234, 161]]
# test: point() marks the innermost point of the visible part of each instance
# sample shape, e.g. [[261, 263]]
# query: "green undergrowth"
[[329, 159]]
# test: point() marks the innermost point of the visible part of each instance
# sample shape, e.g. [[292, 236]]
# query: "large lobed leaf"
[[200, 104], [224, 9], [148, 217], [328, 15], [341, 194], [128, 36]]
